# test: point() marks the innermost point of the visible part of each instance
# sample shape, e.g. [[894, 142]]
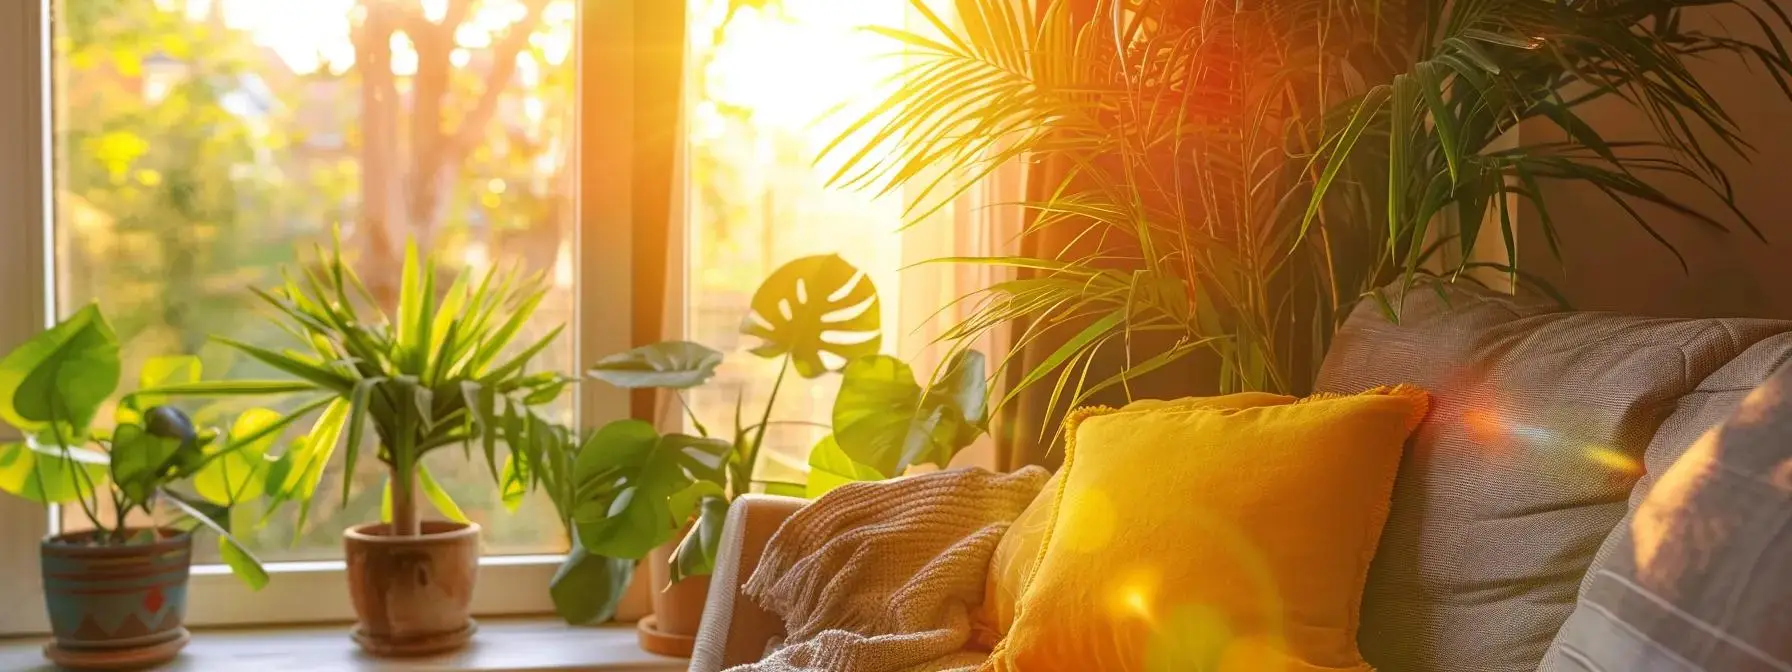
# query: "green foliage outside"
[[193, 162]]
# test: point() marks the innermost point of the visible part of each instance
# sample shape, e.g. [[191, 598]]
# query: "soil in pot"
[[116, 606], [677, 608], [412, 594]]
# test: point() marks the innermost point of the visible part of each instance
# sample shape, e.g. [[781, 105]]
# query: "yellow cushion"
[[1018, 551], [1233, 539]]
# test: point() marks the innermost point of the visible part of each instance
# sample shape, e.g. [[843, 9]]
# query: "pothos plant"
[[52, 389], [632, 488]]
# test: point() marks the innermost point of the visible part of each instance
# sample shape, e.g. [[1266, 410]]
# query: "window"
[[193, 147], [171, 152], [766, 87], [758, 116]]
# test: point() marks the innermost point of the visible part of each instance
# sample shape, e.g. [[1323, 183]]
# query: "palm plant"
[[1238, 175], [440, 373]]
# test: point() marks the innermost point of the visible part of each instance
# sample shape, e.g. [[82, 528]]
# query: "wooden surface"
[[118, 659], [521, 645]]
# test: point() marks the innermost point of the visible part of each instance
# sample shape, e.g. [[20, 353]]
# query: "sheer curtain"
[[986, 221], [766, 87]]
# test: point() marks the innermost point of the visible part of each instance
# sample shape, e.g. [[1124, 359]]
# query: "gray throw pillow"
[[1702, 577], [1540, 423]]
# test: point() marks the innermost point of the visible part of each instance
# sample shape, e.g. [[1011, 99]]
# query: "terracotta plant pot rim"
[[169, 539], [433, 532]]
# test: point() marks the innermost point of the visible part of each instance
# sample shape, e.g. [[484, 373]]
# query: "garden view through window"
[[201, 145]]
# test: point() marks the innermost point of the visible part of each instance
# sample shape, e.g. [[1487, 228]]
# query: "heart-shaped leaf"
[[48, 474], [138, 460], [874, 412], [696, 555], [671, 364], [816, 309], [830, 467], [587, 587], [241, 474], [158, 372], [963, 391], [885, 420], [62, 374], [638, 488]]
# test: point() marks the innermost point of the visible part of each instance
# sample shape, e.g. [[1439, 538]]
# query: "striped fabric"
[[1539, 428]]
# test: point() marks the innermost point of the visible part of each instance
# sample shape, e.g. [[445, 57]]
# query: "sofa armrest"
[[735, 630]]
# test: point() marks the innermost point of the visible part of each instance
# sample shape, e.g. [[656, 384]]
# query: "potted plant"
[[640, 494], [1233, 178], [432, 376], [116, 593]]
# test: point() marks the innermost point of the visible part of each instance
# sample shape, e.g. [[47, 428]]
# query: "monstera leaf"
[[886, 421], [672, 364], [638, 487], [587, 587], [816, 306], [60, 375]]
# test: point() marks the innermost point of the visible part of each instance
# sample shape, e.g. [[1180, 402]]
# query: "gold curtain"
[[657, 213]]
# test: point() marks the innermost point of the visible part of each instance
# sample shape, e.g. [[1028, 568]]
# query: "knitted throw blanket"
[[883, 576]]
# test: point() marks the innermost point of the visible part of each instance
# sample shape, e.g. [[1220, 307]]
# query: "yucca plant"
[[1238, 175], [442, 372], [438, 374]]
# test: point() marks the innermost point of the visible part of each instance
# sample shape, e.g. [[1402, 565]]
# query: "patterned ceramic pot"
[[116, 598]]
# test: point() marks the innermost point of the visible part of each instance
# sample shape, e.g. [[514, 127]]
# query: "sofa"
[[1543, 517]]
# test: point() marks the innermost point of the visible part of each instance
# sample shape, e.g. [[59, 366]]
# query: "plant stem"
[[695, 423], [752, 456], [404, 500], [77, 476]]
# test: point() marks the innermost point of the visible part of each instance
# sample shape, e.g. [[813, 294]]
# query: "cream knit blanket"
[[883, 576]]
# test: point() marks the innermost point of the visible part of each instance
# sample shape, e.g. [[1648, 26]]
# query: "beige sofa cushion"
[[1540, 421]]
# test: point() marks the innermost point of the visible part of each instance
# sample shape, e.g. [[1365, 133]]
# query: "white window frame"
[[310, 592]]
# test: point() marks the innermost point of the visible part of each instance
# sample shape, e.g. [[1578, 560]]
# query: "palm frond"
[[1241, 174]]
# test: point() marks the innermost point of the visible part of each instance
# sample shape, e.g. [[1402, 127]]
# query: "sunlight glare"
[[306, 35], [772, 62], [404, 55], [435, 10]]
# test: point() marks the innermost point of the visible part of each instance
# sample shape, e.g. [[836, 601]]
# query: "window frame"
[[312, 592]]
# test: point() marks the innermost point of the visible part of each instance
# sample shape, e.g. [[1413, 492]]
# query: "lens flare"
[[1614, 459]]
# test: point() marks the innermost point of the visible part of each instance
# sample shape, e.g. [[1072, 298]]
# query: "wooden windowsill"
[[506, 644]]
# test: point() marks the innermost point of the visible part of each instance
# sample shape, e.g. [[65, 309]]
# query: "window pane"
[[201, 145], [763, 77]]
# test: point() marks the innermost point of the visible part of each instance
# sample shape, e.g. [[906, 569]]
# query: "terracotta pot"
[[677, 607], [412, 594], [116, 607]]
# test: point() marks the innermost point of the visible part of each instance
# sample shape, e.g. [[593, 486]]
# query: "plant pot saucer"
[[117, 659], [415, 646], [653, 640]]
